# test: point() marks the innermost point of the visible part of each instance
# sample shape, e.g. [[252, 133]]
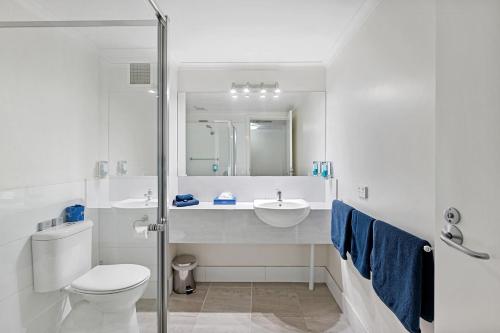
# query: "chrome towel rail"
[[203, 159]]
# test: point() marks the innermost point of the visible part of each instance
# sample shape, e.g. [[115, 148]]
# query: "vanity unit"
[[239, 224]]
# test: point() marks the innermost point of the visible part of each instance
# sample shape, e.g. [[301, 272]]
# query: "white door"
[[468, 163]]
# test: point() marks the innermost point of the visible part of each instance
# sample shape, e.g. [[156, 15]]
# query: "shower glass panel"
[[81, 97], [210, 148]]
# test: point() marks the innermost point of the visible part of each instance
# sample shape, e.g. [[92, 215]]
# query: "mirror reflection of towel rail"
[[203, 159]]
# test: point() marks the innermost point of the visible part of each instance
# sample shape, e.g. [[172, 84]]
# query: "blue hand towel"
[[184, 197], [361, 242], [341, 227], [185, 203], [403, 274]]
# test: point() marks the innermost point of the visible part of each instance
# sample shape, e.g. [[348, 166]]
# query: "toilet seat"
[[111, 279]]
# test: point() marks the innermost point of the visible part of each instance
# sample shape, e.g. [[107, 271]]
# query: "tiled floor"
[[249, 308]]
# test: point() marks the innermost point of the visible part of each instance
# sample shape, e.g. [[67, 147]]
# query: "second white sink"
[[281, 214]]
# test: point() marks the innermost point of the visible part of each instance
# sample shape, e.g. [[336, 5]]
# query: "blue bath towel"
[[403, 274], [361, 242], [341, 227], [186, 203], [184, 197]]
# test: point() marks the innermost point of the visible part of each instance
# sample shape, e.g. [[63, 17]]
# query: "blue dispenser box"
[[75, 213], [224, 200]]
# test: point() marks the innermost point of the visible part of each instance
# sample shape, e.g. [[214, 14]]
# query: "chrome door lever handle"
[[453, 237]]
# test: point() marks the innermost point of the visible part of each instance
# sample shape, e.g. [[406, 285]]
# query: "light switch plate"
[[363, 192]]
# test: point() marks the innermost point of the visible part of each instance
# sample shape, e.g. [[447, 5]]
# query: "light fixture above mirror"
[[262, 90]]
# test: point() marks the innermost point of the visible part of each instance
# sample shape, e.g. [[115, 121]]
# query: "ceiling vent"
[[140, 73]]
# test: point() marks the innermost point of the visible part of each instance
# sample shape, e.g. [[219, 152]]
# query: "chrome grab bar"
[[453, 237], [203, 159]]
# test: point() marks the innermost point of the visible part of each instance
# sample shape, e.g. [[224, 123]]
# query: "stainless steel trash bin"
[[184, 266]]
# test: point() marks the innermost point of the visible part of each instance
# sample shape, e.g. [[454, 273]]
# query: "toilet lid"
[[111, 278]]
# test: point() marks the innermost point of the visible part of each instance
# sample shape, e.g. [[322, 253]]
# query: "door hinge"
[[156, 227]]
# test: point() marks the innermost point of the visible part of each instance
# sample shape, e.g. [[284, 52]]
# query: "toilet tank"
[[61, 254]]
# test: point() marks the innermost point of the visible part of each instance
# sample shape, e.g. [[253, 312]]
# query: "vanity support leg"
[[311, 267]]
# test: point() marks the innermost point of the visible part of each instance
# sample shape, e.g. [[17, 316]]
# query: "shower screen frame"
[[161, 226]]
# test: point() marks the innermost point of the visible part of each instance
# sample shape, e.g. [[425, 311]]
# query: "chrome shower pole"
[[162, 225]]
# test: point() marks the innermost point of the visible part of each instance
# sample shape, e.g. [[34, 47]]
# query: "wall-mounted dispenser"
[[102, 169], [315, 168], [121, 168], [323, 169]]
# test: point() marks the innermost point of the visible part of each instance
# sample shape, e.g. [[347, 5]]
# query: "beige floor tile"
[[146, 305], [335, 323], [222, 323], [188, 303], [228, 300], [231, 284], [147, 322], [268, 322], [278, 301], [320, 289], [276, 285], [181, 322], [248, 308], [318, 306]]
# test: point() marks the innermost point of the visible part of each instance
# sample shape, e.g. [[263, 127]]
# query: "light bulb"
[[233, 91], [152, 91], [247, 96], [263, 91], [262, 96], [234, 96], [246, 90], [277, 90], [276, 96]]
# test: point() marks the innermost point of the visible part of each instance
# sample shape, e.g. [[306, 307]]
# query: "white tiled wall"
[[21, 309], [119, 244], [206, 188]]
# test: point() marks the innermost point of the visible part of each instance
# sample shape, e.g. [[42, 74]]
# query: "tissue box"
[[218, 201]]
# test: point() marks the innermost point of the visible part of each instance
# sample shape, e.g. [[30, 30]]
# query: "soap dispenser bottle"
[[315, 168]]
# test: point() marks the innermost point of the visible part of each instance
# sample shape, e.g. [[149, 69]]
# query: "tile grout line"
[[251, 304], [205, 298]]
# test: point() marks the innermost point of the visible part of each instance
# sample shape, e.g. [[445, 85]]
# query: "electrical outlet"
[[363, 192]]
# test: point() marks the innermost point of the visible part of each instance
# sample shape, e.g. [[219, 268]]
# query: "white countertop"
[[243, 206]]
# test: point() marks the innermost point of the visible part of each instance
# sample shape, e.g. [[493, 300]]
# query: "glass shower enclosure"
[[110, 78]]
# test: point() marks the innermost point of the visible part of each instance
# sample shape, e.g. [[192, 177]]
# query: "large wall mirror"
[[254, 135]]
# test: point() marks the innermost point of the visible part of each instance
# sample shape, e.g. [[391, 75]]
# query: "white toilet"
[[102, 298]]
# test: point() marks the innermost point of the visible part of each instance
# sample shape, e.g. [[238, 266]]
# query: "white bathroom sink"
[[281, 214], [136, 204]]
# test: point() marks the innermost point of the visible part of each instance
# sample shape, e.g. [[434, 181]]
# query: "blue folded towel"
[[184, 197], [341, 227], [403, 274], [185, 203], [361, 242]]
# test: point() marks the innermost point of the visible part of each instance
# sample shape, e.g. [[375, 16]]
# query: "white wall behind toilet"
[[380, 133], [49, 129]]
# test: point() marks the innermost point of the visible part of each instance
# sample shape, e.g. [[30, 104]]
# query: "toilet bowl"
[[102, 298]]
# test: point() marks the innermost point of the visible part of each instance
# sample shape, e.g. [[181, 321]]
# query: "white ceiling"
[[213, 31]]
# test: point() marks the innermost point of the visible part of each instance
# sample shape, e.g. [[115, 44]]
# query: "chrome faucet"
[[279, 196], [149, 195]]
